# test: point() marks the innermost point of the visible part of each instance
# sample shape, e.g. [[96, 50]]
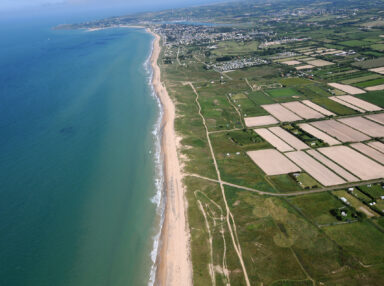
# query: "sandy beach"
[[173, 261]]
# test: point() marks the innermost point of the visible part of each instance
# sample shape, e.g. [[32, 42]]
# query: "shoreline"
[[173, 258], [111, 27]]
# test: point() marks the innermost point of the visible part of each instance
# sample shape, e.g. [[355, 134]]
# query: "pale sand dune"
[[291, 63], [334, 98], [359, 103], [333, 166], [174, 264], [302, 110], [272, 162], [379, 118], [353, 161], [281, 113], [321, 173], [273, 140], [320, 63], [377, 145], [346, 88], [374, 88], [260, 121], [369, 151], [289, 138], [340, 131], [319, 134], [304, 67], [318, 108], [364, 125]]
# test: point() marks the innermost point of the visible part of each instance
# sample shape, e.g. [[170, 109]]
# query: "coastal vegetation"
[[298, 228]]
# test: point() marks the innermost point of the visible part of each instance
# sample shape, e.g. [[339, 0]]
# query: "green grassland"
[[368, 83], [374, 191], [306, 181], [205, 196], [361, 196], [378, 47], [289, 243], [282, 92], [355, 203], [361, 239], [369, 64], [317, 207], [355, 43], [375, 97], [334, 106], [232, 48], [361, 79], [284, 183]]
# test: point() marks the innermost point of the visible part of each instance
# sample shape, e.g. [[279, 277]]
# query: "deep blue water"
[[76, 156]]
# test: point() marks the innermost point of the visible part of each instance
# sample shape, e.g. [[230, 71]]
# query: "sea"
[[80, 163]]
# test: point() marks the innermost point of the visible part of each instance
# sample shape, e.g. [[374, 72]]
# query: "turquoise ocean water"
[[78, 154]]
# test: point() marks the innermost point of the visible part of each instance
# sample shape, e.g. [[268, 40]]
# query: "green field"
[[370, 83], [355, 203], [355, 43], [375, 97], [374, 191], [235, 48], [317, 207], [362, 78], [378, 47], [361, 239], [369, 64], [283, 92], [284, 183], [306, 181], [334, 106]]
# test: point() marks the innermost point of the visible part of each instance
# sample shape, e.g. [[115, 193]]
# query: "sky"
[[27, 4]]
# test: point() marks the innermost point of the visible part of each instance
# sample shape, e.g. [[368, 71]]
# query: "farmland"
[[280, 134]]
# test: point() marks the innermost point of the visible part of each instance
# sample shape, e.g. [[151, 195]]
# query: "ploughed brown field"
[[281, 113], [319, 134], [364, 125], [347, 104], [378, 70], [353, 161], [318, 108], [377, 145], [272, 162], [359, 103], [333, 166], [346, 88], [318, 171], [375, 88], [320, 63], [369, 151], [302, 110], [273, 140], [289, 138], [304, 67], [340, 131], [376, 117], [291, 63], [260, 121]]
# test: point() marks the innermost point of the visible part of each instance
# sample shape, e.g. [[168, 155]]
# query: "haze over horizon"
[[7, 5]]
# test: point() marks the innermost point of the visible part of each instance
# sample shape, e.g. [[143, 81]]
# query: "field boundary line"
[[304, 192]]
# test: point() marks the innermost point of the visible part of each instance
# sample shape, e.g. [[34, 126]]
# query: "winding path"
[[232, 230]]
